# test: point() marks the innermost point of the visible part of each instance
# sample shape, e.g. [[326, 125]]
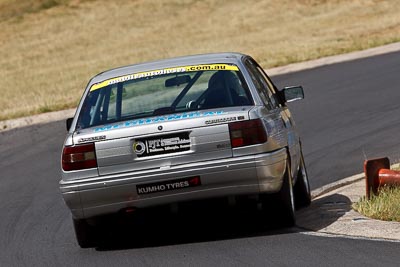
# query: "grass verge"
[[49, 49], [385, 206]]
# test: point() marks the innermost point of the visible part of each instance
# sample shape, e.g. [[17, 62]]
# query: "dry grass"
[[385, 206], [50, 48]]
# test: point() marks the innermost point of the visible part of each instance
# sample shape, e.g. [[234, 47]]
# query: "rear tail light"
[[79, 157], [245, 133]]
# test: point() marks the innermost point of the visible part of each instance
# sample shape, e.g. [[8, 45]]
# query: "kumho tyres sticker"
[[177, 184], [152, 73]]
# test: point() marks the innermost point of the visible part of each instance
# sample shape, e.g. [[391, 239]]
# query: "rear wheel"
[[302, 186], [280, 206], [86, 234]]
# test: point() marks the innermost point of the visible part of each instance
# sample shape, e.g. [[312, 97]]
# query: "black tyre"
[[302, 187], [280, 207], [86, 234]]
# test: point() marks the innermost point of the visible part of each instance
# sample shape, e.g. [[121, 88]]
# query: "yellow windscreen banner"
[[162, 72]]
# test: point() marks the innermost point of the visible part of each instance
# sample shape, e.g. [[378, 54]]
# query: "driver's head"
[[224, 79]]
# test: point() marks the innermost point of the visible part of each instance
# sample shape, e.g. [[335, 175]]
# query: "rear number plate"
[[168, 185], [162, 144]]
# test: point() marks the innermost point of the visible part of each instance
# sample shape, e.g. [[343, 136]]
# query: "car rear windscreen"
[[162, 92]]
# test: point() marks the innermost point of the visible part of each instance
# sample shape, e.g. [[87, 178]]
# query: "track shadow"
[[323, 212], [198, 222]]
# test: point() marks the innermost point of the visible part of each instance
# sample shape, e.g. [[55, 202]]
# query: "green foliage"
[[49, 4], [385, 206], [45, 108]]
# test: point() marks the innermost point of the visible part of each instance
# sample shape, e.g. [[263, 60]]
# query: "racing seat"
[[223, 91]]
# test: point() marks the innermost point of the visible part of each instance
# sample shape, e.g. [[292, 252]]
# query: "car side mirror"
[[69, 123], [293, 93]]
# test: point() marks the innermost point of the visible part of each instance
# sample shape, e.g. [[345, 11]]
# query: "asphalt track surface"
[[351, 111]]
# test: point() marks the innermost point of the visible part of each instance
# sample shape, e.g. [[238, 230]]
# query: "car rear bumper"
[[247, 175]]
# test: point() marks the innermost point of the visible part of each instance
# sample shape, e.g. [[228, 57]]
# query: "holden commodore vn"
[[183, 129]]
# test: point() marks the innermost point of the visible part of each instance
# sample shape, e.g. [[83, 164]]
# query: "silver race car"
[[183, 129]]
